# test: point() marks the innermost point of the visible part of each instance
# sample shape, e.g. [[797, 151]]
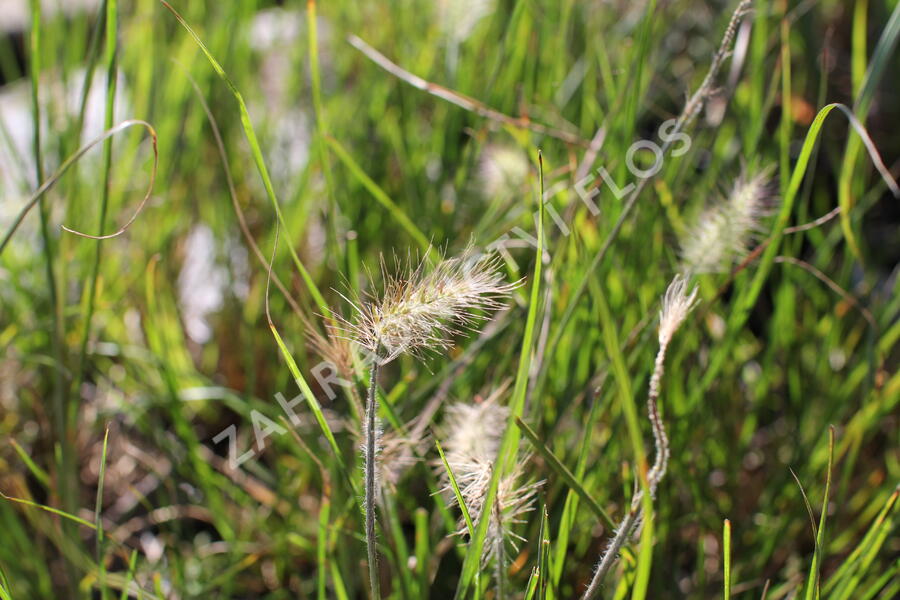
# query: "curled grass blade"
[[67, 164]]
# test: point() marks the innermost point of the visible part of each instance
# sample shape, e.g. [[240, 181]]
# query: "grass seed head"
[[473, 433], [723, 233], [420, 310], [474, 430], [676, 305]]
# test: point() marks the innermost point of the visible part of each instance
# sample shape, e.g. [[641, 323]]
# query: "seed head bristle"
[[473, 435], [474, 430], [418, 311], [676, 305], [723, 232]]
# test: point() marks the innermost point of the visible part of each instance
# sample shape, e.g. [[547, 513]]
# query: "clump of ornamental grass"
[[472, 437], [417, 312], [677, 303], [722, 234]]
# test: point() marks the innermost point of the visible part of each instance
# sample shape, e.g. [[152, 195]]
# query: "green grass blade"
[[111, 55], [256, 151], [846, 579], [564, 473], [747, 299], [544, 553], [880, 59], [129, 576], [98, 506], [812, 581], [308, 394], [532, 585], [395, 211], [422, 549], [726, 556], [50, 509], [456, 492], [39, 473], [509, 445]]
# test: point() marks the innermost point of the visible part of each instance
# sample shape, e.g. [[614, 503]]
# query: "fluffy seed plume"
[[458, 18], [676, 305], [418, 311], [502, 169], [723, 232], [473, 431], [472, 438]]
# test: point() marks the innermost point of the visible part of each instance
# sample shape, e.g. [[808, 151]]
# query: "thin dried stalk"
[[676, 305]]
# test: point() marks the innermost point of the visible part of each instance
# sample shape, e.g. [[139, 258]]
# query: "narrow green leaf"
[[456, 492], [812, 582], [509, 445], [309, 395], [39, 473], [382, 198], [564, 473], [50, 509], [726, 556], [256, 151]]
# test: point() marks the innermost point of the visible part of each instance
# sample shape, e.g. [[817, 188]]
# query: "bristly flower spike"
[[472, 439], [677, 303], [418, 312], [723, 233], [415, 313]]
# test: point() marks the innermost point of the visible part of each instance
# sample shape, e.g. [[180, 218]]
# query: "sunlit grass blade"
[[456, 491], [422, 549], [565, 474], [532, 585], [395, 211], [258, 159], [5, 594], [50, 509], [812, 581], [544, 553], [880, 59], [844, 582], [308, 394], [98, 506], [38, 473], [726, 557], [509, 445], [749, 295]]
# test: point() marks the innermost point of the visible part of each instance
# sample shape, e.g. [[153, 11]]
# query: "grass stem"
[[370, 455]]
